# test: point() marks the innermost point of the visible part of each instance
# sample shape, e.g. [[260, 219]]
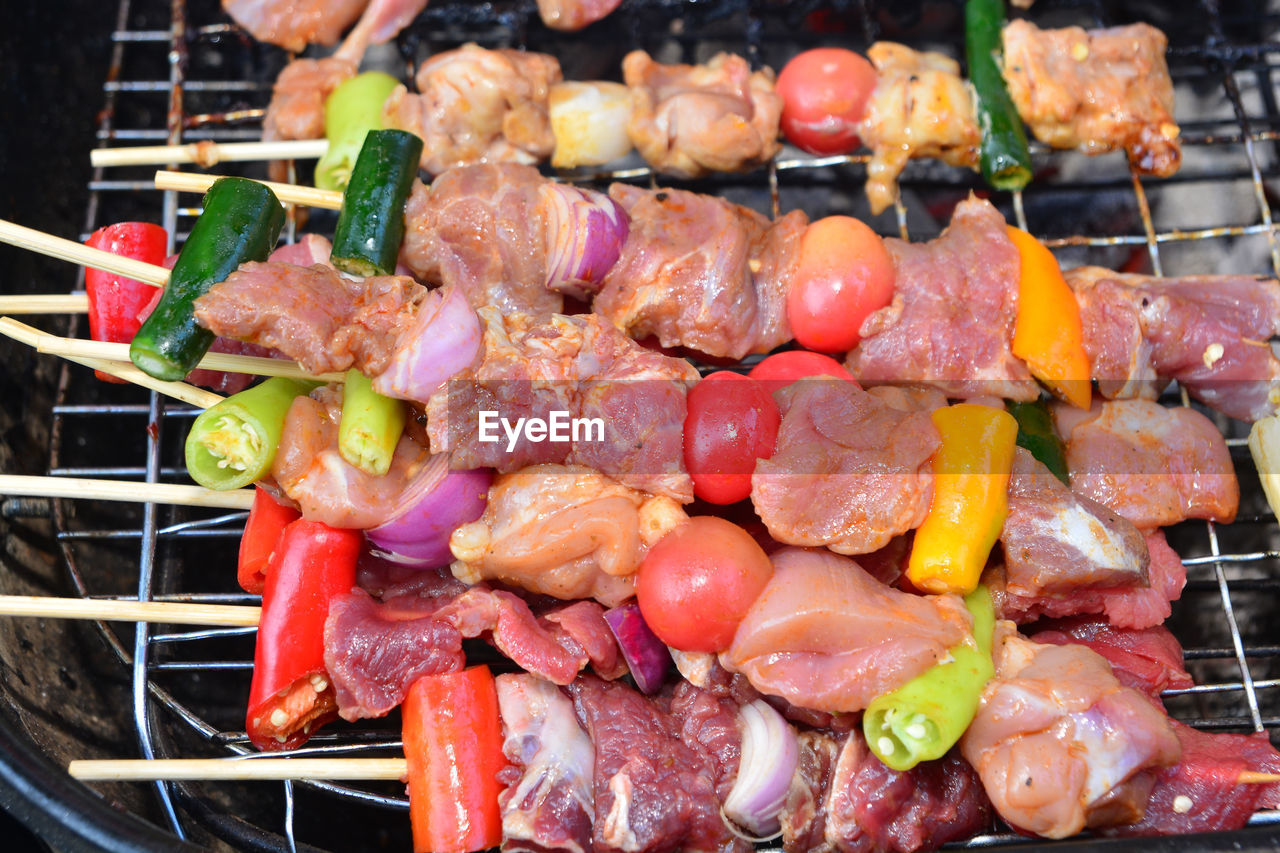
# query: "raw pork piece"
[[700, 272], [548, 803], [804, 811], [294, 24], [825, 635], [849, 471], [1210, 333], [1135, 607], [920, 108], [570, 15], [707, 722], [1153, 465], [652, 791], [478, 106], [1060, 744], [531, 366], [1149, 659], [1096, 90], [480, 228], [950, 324], [1056, 542], [569, 532], [688, 120]]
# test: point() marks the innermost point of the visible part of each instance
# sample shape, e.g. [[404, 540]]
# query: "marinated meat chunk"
[[1056, 541], [804, 811], [688, 120], [294, 24], [296, 110], [849, 471], [478, 106], [1060, 744], [708, 724], [950, 324], [1209, 333], [1148, 659], [569, 532], [531, 366], [920, 108], [652, 791], [825, 635], [570, 15], [548, 803], [700, 272], [480, 228], [872, 808], [1153, 465], [1096, 90]]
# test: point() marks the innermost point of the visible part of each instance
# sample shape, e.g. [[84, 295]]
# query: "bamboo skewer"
[[116, 610], [237, 769], [198, 397], [1254, 777], [124, 490], [70, 250], [45, 303], [289, 193], [207, 153]]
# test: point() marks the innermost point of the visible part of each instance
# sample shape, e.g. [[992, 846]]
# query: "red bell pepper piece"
[[267, 520], [453, 745], [115, 301], [291, 696]]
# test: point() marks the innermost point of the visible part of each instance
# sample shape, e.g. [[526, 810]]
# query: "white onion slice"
[[589, 121], [770, 754]]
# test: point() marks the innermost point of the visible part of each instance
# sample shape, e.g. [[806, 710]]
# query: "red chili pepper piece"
[[267, 520], [115, 301], [453, 745], [291, 695]]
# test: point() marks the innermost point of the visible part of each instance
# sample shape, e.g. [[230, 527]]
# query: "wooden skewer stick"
[[236, 769], [1254, 777], [115, 610], [207, 152], [70, 250], [124, 490], [45, 303], [289, 193], [198, 397]]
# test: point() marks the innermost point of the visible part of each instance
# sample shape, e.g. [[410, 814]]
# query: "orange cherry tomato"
[[844, 273], [697, 583], [824, 97], [731, 422]]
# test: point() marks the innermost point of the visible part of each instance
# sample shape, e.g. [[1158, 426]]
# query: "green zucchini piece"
[[1006, 162], [371, 223]]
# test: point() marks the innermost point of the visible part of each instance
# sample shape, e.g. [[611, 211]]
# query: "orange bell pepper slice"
[[1048, 334]]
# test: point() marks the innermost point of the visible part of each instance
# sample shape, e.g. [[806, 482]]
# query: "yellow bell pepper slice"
[[1048, 335], [970, 498]]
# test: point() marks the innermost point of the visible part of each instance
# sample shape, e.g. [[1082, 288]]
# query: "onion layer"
[[770, 754], [589, 122], [443, 339], [434, 504], [646, 656], [585, 233]]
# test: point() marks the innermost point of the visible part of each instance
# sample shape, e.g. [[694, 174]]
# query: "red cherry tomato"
[[784, 368], [697, 583], [824, 97], [732, 422], [844, 273]]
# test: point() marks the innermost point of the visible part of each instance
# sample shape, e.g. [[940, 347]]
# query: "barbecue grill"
[[180, 72]]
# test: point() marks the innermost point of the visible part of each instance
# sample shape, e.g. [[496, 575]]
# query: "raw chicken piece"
[[1210, 333], [700, 272], [920, 108], [827, 636], [480, 228], [569, 15], [568, 532], [950, 324], [478, 106], [1096, 90], [688, 120], [549, 802], [1060, 744], [296, 110], [1153, 465], [294, 24], [849, 471]]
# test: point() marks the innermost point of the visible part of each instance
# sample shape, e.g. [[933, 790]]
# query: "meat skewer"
[[207, 153], [288, 193], [123, 490], [238, 769]]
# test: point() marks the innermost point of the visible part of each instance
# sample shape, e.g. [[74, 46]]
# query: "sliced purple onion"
[[585, 233], [770, 754], [434, 504], [645, 654], [444, 338]]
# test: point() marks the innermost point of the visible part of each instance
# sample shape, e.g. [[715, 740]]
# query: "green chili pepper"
[[241, 222], [233, 443], [350, 112], [371, 224], [925, 717], [1037, 435], [1006, 162], [371, 425]]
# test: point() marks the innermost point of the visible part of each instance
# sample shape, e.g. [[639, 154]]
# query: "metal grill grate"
[[179, 72]]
